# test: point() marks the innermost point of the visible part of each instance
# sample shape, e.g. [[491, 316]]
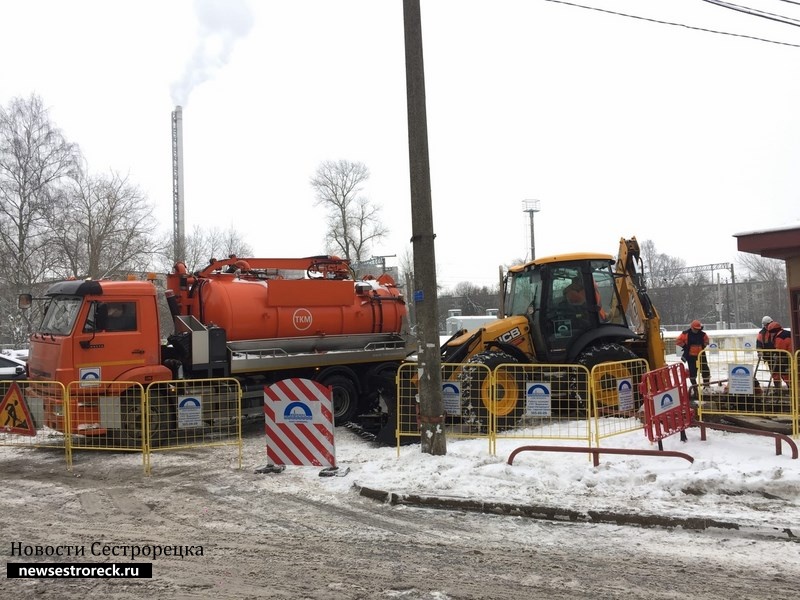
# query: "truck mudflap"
[[381, 425]]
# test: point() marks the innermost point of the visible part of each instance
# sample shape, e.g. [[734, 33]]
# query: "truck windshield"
[[60, 314]]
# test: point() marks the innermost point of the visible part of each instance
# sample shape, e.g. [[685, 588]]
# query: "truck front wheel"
[[133, 423]]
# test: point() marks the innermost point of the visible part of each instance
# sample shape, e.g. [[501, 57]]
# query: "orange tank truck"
[[251, 307], [253, 319]]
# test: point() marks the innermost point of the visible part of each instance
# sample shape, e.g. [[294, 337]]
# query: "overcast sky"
[[620, 126]]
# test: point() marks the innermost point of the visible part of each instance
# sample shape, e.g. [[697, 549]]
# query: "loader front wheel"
[[478, 406]]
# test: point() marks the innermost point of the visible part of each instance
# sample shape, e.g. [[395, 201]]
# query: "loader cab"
[[565, 298]]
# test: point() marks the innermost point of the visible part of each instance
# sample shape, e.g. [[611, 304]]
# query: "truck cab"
[[96, 331]]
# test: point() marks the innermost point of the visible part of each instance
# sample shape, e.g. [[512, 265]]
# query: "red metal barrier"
[[734, 429], [665, 397], [595, 452]]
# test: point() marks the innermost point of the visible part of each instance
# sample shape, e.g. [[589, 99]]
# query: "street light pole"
[[530, 207]]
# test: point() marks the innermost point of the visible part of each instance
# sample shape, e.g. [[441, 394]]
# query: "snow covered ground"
[[734, 477], [260, 531]]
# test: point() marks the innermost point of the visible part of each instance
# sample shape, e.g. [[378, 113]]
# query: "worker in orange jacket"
[[762, 339], [575, 295], [779, 339], [692, 341]]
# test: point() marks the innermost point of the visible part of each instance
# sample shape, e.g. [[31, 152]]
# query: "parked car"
[[12, 368]]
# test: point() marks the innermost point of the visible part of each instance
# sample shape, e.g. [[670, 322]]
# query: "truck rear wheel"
[[345, 397], [406, 422], [477, 405]]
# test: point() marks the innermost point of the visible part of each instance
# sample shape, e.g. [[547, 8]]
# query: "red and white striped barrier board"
[[298, 418], [665, 396]]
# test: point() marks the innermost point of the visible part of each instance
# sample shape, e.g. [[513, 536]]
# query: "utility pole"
[[530, 207], [737, 316], [429, 369]]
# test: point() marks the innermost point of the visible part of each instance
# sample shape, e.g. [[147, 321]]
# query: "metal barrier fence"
[[616, 399], [468, 392], [528, 401], [194, 413], [749, 382], [104, 415], [552, 402], [121, 416], [567, 402]]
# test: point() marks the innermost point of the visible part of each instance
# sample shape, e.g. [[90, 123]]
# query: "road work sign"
[[14, 414]]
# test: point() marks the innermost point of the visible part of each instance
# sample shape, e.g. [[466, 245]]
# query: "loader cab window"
[[525, 293], [605, 290], [567, 293], [111, 316], [568, 313]]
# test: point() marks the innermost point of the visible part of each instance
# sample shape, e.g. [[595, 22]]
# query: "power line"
[[674, 24], [755, 12]]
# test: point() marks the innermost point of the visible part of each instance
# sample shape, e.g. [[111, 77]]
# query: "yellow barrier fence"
[[516, 401], [549, 401], [616, 400], [121, 416], [745, 382], [467, 391], [194, 413], [105, 415]]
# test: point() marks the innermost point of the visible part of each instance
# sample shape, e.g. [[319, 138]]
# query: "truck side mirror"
[[24, 301]]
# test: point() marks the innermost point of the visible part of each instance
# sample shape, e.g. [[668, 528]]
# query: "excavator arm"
[[635, 301]]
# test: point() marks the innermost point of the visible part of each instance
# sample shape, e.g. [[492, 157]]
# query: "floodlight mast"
[[530, 207]]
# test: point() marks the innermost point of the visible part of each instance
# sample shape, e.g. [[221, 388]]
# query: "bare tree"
[[406, 264], [353, 221], [662, 270], [767, 288], [760, 268], [103, 226], [474, 299], [203, 245], [35, 161]]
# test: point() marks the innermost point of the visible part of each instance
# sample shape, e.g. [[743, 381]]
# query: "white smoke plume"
[[220, 24]]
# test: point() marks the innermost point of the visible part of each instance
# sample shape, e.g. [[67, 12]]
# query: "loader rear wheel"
[[477, 405], [605, 377]]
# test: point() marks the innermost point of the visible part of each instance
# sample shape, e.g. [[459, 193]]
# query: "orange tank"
[[249, 307]]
